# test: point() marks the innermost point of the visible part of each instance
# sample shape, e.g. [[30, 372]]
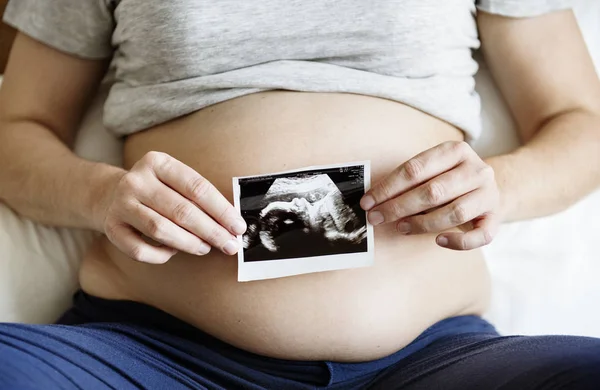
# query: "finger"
[[419, 169], [129, 242], [184, 213], [460, 211], [436, 192], [163, 231], [485, 229], [196, 188]]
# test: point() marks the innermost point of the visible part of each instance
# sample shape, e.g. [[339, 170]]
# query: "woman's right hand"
[[169, 202]]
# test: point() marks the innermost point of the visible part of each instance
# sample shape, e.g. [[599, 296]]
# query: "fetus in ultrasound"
[[304, 211]]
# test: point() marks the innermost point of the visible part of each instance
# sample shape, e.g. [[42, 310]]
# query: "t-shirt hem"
[[521, 9]]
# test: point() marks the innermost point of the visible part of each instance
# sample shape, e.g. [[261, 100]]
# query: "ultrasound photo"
[[311, 214]]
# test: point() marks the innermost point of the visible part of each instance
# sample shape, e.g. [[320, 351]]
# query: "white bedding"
[[544, 271]]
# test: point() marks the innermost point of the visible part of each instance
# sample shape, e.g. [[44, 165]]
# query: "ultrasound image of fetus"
[[305, 215]]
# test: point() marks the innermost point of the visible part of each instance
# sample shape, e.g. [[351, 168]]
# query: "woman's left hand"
[[446, 186]]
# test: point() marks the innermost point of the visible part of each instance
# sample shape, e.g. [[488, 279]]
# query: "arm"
[[41, 103], [542, 67], [42, 99], [545, 73]]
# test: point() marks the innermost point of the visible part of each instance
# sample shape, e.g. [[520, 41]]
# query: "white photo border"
[[270, 269]]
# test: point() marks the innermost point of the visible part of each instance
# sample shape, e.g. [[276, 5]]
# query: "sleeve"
[[80, 27], [522, 8]]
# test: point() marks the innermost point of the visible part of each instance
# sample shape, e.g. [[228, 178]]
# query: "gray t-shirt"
[[173, 57]]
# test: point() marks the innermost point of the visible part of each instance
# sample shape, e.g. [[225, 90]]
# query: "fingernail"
[[375, 217], [231, 247], [204, 249], [239, 226], [403, 227], [367, 202], [442, 241]]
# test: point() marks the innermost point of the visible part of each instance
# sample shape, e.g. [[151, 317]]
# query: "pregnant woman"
[[208, 90]]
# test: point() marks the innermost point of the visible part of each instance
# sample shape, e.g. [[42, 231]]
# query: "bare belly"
[[349, 315]]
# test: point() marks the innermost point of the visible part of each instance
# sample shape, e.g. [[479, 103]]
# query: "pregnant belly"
[[347, 315]]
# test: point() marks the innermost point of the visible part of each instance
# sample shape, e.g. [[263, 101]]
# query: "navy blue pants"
[[101, 344]]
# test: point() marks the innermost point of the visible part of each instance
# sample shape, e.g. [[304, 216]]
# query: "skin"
[[444, 187], [166, 200], [542, 67], [540, 64]]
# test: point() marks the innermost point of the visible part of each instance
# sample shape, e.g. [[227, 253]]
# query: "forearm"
[[43, 180], [553, 170]]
